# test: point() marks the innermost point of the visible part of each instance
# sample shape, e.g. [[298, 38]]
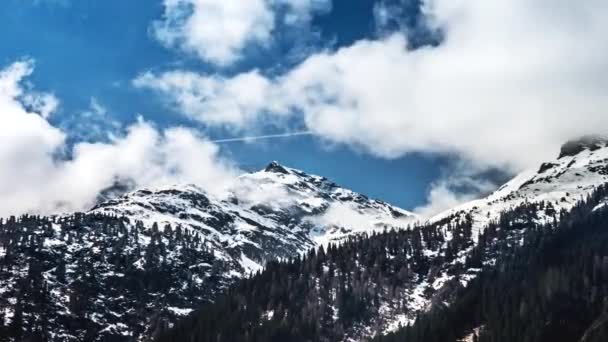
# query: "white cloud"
[[440, 198], [97, 109], [92, 124], [34, 179], [301, 11], [218, 31], [214, 100], [511, 81], [42, 103], [253, 192], [346, 215], [462, 183]]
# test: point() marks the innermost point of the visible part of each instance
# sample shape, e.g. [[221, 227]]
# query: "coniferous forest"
[[96, 277], [554, 288], [102, 278], [549, 284], [303, 171]]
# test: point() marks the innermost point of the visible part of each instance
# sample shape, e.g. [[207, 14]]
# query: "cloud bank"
[[36, 177], [214, 100], [460, 183], [217, 31], [509, 83]]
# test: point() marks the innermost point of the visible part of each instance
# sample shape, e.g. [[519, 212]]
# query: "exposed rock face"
[[590, 142]]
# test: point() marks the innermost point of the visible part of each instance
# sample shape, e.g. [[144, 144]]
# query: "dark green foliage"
[[323, 296], [94, 277], [333, 294], [552, 289], [97, 278]]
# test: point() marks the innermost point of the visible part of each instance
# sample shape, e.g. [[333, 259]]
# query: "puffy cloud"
[[509, 83], [145, 156], [92, 124], [42, 103], [301, 11], [35, 179], [214, 100], [218, 31], [346, 215], [459, 184]]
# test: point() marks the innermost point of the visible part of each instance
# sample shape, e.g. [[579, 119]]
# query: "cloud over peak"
[[509, 83], [35, 177]]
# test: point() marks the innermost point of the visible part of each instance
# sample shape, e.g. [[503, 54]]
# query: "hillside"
[[134, 265], [399, 275], [552, 289]]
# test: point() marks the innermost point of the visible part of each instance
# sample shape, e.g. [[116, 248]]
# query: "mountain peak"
[[275, 167], [588, 142]]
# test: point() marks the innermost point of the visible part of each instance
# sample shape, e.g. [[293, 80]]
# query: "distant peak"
[[589, 142], [275, 167]]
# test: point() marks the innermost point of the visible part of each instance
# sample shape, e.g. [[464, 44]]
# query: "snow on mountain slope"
[[331, 211], [581, 167], [279, 212], [177, 247], [271, 214]]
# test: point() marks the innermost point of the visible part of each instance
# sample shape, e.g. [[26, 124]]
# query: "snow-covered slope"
[[279, 212], [275, 213], [549, 188], [580, 168], [132, 266]]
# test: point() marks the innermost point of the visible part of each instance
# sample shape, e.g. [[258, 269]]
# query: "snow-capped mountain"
[[275, 213], [134, 265], [299, 211], [375, 285], [544, 191], [581, 167]]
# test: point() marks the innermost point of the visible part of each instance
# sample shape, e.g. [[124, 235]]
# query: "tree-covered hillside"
[[98, 278], [345, 292], [554, 288]]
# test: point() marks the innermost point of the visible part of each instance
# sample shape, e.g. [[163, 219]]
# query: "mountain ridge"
[[352, 292], [155, 255]]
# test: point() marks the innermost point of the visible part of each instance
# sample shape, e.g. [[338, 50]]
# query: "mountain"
[[581, 167], [276, 249], [543, 191], [550, 286], [135, 264], [394, 277], [551, 289], [276, 213]]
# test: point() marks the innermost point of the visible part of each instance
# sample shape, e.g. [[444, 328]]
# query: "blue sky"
[[417, 102], [93, 49]]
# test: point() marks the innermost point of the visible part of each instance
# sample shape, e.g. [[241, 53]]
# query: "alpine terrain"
[[133, 265], [280, 255], [368, 287]]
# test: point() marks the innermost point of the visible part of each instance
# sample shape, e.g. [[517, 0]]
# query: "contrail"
[[261, 137]]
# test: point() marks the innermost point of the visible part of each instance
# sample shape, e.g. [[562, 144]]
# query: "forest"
[[548, 284]]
